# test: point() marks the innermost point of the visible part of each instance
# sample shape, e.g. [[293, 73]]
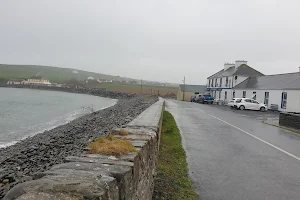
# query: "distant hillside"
[[54, 74]]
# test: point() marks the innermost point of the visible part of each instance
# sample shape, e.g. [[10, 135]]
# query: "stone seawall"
[[94, 176], [290, 120]]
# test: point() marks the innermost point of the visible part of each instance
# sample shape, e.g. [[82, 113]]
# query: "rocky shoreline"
[[24, 160]]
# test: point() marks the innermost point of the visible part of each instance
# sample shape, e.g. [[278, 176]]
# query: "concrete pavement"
[[231, 156]]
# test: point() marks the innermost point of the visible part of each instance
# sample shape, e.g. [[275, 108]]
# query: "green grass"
[[163, 90], [282, 127], [54, 74], [172, 181], [62, 75]]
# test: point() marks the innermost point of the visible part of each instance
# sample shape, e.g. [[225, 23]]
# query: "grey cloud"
[[155, 40]]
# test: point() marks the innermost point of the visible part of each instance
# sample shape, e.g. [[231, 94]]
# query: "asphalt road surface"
[[232, 156]]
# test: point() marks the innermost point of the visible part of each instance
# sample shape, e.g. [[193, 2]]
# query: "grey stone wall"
[[94, 176], [289, 119]]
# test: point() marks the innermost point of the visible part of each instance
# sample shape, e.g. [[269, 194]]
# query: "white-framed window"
[[283, 100], [254, 95], [266, 98], [244, 94]]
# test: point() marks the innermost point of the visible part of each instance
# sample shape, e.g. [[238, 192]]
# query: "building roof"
[[192, 88], [289, 81], [243, 70]]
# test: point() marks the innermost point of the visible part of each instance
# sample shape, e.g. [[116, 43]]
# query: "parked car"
[[197, 98], [232, 103], [193, 97], [250, 104], [206, 98]]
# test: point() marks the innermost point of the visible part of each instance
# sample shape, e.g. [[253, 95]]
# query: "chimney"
[[228, 65], [239, 63]]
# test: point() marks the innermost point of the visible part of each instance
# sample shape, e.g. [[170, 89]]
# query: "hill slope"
[[54, 74]]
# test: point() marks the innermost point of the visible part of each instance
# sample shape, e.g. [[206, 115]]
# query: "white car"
[[232, 103], [250, 104]]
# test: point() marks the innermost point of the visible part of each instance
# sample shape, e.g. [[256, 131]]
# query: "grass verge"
[[172, 181], [282, 127], [111, 146]]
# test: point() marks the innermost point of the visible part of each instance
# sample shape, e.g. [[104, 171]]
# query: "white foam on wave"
[[39, 128]]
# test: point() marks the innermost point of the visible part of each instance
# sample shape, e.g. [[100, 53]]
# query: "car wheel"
[[242, 107], [263, 109]]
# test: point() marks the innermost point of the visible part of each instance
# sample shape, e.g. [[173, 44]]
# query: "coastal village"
[[279, 92]]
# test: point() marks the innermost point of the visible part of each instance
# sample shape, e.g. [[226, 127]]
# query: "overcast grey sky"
[[161, 40]]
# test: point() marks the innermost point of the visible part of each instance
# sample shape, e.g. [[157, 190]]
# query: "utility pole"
[[141, 86], [183, 87]]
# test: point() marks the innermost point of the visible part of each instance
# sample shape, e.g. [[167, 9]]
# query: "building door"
[[283, 100], [219, 94], [266, 98], [225, 95]]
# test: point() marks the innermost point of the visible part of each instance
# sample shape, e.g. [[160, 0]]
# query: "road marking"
[[272, 145]]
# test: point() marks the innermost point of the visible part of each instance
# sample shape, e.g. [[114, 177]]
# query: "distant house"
[[36, 80], [75, 72], [15, 82], [102, 81], [90, 78], [185, 92]]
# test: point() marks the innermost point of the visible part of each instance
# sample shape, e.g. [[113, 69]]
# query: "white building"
[[221, 83], [282, 90]]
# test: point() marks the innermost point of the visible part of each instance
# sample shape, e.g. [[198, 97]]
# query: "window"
[[226, 83], [233, 94], [254, 96], [219, 94], [220, 82], [209, 83], [215, 94], [244, 94], [235, 78], [216, 83], [248, 100], [266, 98], [212, 82], [225, 95], [283, 100]]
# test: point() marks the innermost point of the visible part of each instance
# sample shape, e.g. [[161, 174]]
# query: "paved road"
[[232, 156]]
